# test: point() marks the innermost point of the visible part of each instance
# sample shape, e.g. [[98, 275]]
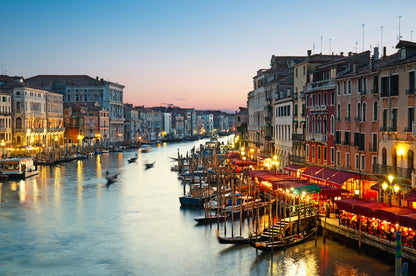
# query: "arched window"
[[319, 125], [364, 112], [332, 124], [19, 123], [307, 124], [325, 126], [375, 111], [384, 157], [339, 112], [348, 112], [359, 112], [394, 158], [313, 125]]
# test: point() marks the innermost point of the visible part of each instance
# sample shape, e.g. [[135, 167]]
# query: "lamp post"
[[389, 188]]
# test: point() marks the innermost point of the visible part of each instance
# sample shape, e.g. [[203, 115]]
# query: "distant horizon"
[[202, 54]]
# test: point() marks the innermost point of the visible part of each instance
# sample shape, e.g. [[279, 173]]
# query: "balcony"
[[312, 108], [393, 129], [410, 91], [395, 171], [383, 129], [297, 159], [323, 84], [318, 137], [3, 129], [298, 137], [267, 138], [323, 107], [408, 129], [268, 119]]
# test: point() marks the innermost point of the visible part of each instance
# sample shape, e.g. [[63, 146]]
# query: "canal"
[[66, 222]]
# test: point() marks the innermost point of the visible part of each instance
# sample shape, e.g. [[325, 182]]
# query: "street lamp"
[[389, 188]]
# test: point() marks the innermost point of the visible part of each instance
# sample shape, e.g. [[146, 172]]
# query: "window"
[[384, 86], [375, 111], [338, 112], [332, 124], [411, 82], [375, 84], [363, 162], [357, 161], [348, 118], [364, 92], [337, 137], [332, 98], [347, 160], [325, 126], [295, 110], [307, 151], [410, 118], [374, 143], [359, 85], [313, 152], [358, 112], [332, 156], [349, 87], [319, 153], [325, 154], [394, 119], [374, 162], [319, 125], [364, 112], [394, 85], [385, 119], [338, 158], [347, 138], [18, 107]]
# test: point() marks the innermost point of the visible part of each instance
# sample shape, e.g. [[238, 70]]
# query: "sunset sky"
[[200, 54]]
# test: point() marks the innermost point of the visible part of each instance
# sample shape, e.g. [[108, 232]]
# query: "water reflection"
[[65, 222]]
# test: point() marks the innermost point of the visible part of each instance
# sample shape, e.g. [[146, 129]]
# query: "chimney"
[[384, 51], [96, 78], [370, 64], [342, 54], [309, 53], [349, 54], [354, 67], [375, 53], [102, 79]]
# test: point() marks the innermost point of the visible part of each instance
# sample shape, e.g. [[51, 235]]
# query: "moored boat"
[[282, 243], [146, 148], [149, 165], [197, 196], [112, 178], [20, 167], [232, 240]]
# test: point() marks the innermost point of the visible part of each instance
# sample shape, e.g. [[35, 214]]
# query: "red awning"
[[391, 214], [311, 171], [349, 203], [408, 220], [233, 154], [367, 209], [292, 167], [340, 177], [262, 157], [375, 187], [329, 191], [410, 196], [323, 174]]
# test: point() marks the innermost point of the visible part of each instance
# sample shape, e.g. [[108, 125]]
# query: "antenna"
[[381, 43], [321, 44], [363, 35], [330, 46], [399, 37]]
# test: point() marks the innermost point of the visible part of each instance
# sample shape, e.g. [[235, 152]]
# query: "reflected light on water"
[[80, 181], [99, 167], [342, 269], [22, 191], [13, 186], [1, 191]]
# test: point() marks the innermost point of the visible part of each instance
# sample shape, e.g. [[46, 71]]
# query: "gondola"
[[112, 178], [133, 159], [232, 240], [281, 243], [211, 219], [149, 165]]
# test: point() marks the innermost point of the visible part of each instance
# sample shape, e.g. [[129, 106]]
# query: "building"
[[84, 89]]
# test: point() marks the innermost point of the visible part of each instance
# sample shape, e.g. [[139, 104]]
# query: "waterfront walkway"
[[354, 237]]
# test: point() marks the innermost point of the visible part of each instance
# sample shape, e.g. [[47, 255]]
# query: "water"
[[66, 222]]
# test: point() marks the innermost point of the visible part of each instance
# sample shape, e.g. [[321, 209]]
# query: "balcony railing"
[[298, 137], [3, 129], [410, 91], [323, 107], [408, 129], [383, 129], [395, 171], [320, 84], [319, 137], [297, 159], [268, 119], [394, 128], [268, 138]]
